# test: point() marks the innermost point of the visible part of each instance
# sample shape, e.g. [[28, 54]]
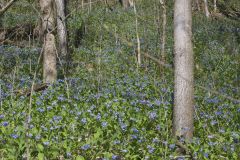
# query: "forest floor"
[[108, 108]]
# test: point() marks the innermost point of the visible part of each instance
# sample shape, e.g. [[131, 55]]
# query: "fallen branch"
[[36, 88], [4, 9], [182, 149], [157, 61]]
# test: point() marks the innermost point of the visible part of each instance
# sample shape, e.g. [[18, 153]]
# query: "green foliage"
[[22, 12], [231, 8], [114, 109]]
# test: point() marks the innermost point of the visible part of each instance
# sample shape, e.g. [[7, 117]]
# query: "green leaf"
[[40, 156], [40, 147], [80, 158]]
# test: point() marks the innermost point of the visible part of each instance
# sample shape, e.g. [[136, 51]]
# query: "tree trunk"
[[206, 8], [138, 40], [61, 28], [49, 47], [183, 71], [164, 22], [126, 3], [215, 6]]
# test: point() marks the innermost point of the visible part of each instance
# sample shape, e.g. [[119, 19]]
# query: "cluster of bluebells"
[[124, 116]]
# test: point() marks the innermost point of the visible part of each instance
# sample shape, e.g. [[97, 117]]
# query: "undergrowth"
[[116, 110]]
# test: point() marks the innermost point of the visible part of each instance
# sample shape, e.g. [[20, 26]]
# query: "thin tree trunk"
[[5, 8], [125, 3], [138, 40], [206, 8], [215, 6], [183, 70], [61, 27], [49, 47], [90, 5], [164, 23]]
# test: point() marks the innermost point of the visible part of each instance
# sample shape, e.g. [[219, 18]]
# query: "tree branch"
[[4, 9]]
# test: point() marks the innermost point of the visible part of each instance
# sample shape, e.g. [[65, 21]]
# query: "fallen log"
[[36, 88]]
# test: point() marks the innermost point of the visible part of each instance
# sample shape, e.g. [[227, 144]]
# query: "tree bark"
[[206, 8], [164, 22], [183, 70], [49, 44], [215, 6], [5, 8], [139, 59], [61, 28], [126, 3]]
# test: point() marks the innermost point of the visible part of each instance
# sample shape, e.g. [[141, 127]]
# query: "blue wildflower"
[[85, 147], [210, 136], [54, 103], [38, 103], [114, 157], [61, 98], [150, 149], [15, 136], [29, 135], [5, 124], [46, 143], [213, 122], [172, 146], [158, 127], [135, 130], [124, 151], [134, 137], [41, 110], [238, 110], [116, 142], [69, 154], [155, 140], [157, 102], [31, 126], [37, 137], [49, 108], [1, 116], [104, 124], [206, 155], [137, 109], [98, 116], [152, 115], [213, 100], [123, 126], [84, 120], [57, 118], [218, 113]]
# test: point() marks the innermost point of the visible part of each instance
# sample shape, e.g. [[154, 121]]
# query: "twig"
[[4, 9]]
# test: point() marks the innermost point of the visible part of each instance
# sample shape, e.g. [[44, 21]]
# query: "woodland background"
[[104, 105]]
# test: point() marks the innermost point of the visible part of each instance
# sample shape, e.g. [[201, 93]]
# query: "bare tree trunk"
[[126, 3], [138, 40], [183, 71], [164, 22], [49, 47], [215, 6], [5, 8], [206, 8], [61, 27]]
